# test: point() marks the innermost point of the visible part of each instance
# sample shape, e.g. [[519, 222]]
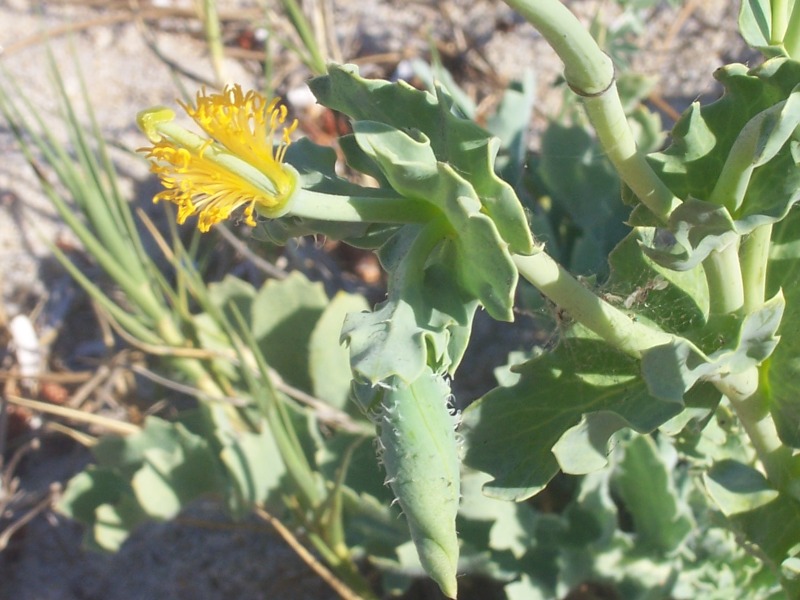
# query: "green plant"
[[685, 358]]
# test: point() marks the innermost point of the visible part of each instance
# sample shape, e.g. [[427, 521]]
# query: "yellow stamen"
[[238, 165]]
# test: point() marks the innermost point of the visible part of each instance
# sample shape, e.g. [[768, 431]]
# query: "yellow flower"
[[237, 165]]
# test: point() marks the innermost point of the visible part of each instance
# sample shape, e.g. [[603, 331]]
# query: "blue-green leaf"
[[462, 144]]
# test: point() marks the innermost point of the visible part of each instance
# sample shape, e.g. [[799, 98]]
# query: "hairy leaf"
[[418, 449]]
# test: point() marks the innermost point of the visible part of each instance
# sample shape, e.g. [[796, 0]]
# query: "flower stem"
[[590, 74], [780, 13], [745, 394], [329, 207], [608, 118], [610, 323], [791, 39], [586, 68], [754, 256], [724, 277]]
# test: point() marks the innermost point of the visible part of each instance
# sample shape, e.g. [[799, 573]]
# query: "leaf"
[[699, 228], [583, 184], [479, 254], [256, 469], [418, 449], [151, 474], [284, 314], [91, 497], [755, 25], [782, 371], [462, 144], [676, 300], [582, 376], [763, 516], [328, 360], [643, 481], [703, 137], [426, 319], [177, 470], [737, 488], [232, 290], [672, 369], [510, 124]]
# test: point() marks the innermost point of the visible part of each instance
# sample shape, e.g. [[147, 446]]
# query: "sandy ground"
[[202, 556]]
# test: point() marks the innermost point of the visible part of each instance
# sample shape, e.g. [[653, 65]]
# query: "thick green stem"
[[759, 141], [355, 209], [744, 392], [780, 14], [724, 277], [610, 323], [590, 73], [791, 40], [586, 68], [608, 117], [754, 256]]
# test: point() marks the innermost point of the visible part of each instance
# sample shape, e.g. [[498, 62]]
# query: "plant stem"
[[590, 74], [791, 39], [608, 118], [754, 255], [744, 392], [214, 38], [314, 59], [724, 277], [780, 13], [610, 323], [356, 209], [586, 68]]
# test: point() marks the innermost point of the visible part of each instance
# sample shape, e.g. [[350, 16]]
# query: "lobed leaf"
[[462, 144], [479, 255], [643, 481], [782, 370], [755, 25], [582, 376], [425, 320], [734, 162], [284, 313]]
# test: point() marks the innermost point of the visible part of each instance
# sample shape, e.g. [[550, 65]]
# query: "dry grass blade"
[[110, 425], [319, 569]]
